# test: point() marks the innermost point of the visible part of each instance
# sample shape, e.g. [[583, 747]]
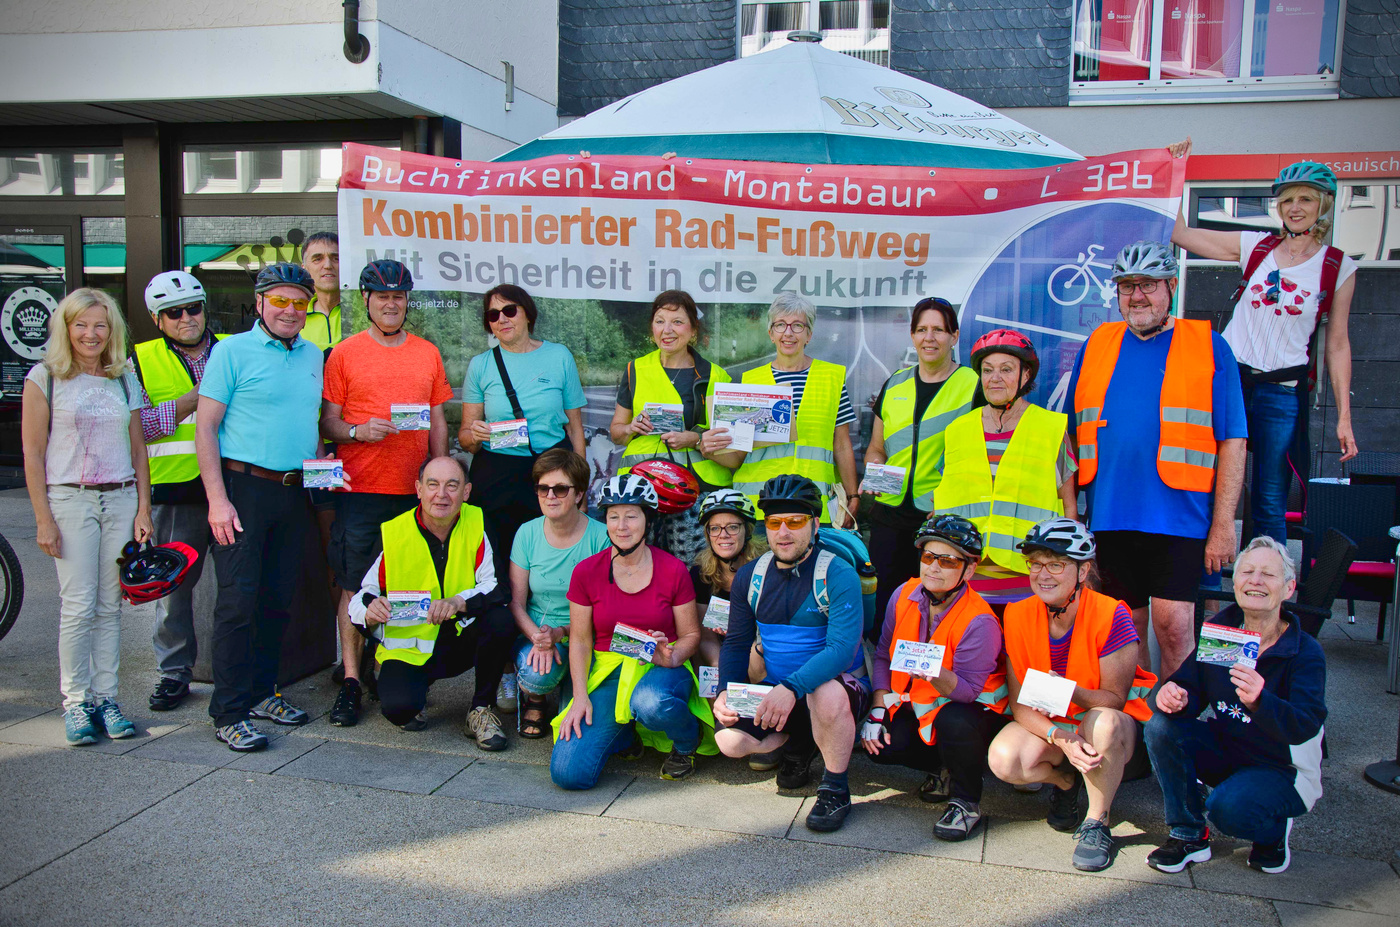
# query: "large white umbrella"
[[806, 104]]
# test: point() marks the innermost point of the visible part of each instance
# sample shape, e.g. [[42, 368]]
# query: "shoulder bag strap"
[[510, 389], [1256, 257]]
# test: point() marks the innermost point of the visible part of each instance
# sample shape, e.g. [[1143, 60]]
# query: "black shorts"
[[355, 538], [1137, 566], [799, 722]]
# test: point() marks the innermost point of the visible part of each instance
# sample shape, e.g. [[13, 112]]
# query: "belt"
[[99, 487], [285, 477]]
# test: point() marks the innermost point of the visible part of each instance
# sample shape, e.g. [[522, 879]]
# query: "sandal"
[[533, 723]]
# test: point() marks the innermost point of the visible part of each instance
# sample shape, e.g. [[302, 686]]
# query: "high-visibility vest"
[[408, 567], [809, 453], [323, 329], [1025, 491], [653, 385], [1186, 449], [897, 413], [1026, 630], [165, 377], [918, 692]]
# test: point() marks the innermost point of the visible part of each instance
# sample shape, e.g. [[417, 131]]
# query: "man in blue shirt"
[[259, 405], [805, 605], [1160, 427]]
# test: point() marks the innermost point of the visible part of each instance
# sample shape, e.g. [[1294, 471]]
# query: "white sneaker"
[[508, 694]]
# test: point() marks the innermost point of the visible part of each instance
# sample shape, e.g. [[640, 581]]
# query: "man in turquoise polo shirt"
[[259, 404]]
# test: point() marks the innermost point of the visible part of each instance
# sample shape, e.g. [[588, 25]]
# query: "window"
[[1144, 50], [62, 173], [860, 28], [274, 169], [1368, 221]]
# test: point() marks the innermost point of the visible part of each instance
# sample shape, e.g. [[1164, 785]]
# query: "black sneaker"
[[1175, 855], [1272, 858], [678, 765], [1064, 813], [830, 810], [416, 723], [169, 694], [795, 771], [346, 710], [937, 788]]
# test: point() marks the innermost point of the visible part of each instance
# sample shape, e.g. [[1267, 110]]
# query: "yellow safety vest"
[[323, 330], [653, 385], [408, 567], [809, 454], [897, 413], [1025, 491], [165, 377]]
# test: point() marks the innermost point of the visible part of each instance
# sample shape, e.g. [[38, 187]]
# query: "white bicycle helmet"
[[630, 490], [172, 288], [1145, 259], [1063, 536]]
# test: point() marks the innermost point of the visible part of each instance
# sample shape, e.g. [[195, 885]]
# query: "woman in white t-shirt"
[[1273, 324], [89, 483]]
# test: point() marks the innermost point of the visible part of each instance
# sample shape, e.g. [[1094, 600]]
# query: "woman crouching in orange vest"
[[936, 714], [1069, 631]]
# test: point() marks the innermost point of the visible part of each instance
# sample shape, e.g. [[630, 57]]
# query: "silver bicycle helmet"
[[1063, 536], [1145, 259]]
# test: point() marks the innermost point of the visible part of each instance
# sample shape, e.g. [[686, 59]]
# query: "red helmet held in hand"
[[150, 572], [676, 487]]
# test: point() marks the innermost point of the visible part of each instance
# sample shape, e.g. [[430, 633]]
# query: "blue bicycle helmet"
[[284, 274], [1145, 259], [385, 276], [1309, 174]]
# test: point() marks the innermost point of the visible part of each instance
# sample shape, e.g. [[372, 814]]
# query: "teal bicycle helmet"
[[1309, 174]]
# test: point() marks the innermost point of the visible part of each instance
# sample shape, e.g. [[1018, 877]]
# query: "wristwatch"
[[352, 431]]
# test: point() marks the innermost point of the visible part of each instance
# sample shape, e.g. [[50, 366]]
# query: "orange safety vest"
[[919, 692], [1026, 627], [1186, 448]]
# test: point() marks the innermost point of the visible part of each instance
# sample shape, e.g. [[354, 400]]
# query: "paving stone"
[[46, 730], [376, 767], [195, 744], [1368, 885], [1034, 845], [878, 825], [13, 713], [528, 785], [754, 809], [1307, 915]]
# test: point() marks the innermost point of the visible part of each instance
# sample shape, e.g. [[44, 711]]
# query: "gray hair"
[[1264, 542], [792, 304]]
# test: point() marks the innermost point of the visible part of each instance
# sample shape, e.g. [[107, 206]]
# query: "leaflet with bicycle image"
[[411, 416], [632, 642], [917, 659], [325, 473], [514, 433], [767, 408], [409, 607], [709, 681], [1225, 646], [665, 417], [883, 479], [717, 615], [743, 698]]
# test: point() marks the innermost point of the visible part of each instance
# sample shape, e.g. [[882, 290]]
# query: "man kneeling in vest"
[[438, 552]]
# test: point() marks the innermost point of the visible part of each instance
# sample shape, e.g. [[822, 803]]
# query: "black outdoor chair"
[[1364, 513]]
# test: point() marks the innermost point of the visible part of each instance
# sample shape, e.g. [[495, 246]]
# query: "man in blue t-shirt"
[[804, 604], [1160, 426]]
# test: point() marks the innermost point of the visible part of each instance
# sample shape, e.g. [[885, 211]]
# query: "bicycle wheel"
[[11, 587], [1068, 290]]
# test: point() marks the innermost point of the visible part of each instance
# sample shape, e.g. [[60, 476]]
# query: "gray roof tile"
[[1370, 50]]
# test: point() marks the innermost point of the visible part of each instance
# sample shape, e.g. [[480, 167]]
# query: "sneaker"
[[169, 694], [108, 716], [1175, 855], [242, 737], [795, 770], [1029, 788], [633, 751], [766, 762], [678, 765], [1094, 851], [508, 694], [484, 726], [830, 810], [937, 788], [416, 723], [346, 710], [278, 710], [78, 726], [1064, 813], [959, 820], [1272, 858]]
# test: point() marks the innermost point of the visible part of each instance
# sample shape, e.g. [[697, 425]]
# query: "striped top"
[[1122, 634], [797, 379]]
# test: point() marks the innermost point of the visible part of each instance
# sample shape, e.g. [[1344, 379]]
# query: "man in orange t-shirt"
[[382, 404]]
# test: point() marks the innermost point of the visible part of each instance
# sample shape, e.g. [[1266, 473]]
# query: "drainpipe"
[[356, 46]]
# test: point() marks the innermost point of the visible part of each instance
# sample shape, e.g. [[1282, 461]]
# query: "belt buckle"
[[291, 478]]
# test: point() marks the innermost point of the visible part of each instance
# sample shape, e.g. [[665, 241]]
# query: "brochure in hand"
[[717, 615], [514, 433], [410, 416], [743, 698], [883, 479], [409, 607], [665, 417], [767, 408], [709, 681], [917, 659], [632, 642], [1225, 646], [1050, 694], [326, 473]]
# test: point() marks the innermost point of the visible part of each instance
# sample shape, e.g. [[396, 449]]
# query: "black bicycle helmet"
[[790, 493], [951, 529], [284, 274], [1062, 536], [385, 276]]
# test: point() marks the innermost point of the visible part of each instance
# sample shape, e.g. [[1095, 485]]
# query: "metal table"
[[1385, 774]]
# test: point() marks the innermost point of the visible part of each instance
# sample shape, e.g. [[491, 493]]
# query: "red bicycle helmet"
[[1006, 341], [153, 572], [676, 487]]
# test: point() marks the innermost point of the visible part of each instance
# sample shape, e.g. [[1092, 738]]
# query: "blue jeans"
[[1249, 802], [1272, 413], [533, 683], [660, 702]]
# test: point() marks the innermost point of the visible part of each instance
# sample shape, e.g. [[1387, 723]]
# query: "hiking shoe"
[[1272, 858], [416, 723], [242, 737], [508, 694], [278, 710], [830, 810], [678, 765], [1064, 813], [937, 788], [1175, 855], [959, 820], [633, 751], [169, 694], [1094, 852], [765, 762], [78, 726], [346, 710], [484, 726], [108, 716], [795, 770]]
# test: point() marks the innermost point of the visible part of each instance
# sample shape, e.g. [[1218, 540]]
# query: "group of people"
[[708, 636]]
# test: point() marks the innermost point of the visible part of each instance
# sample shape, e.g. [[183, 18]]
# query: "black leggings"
[[962, 734], [485, 643]]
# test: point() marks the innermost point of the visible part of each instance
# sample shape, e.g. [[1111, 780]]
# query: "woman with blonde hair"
[[89, 483]]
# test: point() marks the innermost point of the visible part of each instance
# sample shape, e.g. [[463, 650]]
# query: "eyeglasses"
[[194, 309], [797, 328], [1147, 286], [1053, 567], [282, 302], [556, 491], [494, 315], [793, 522], [945, 561], [729, 531]]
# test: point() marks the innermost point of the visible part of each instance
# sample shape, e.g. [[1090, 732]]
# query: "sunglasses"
[[555, 491], [178, 312], [129, 550], [282, 302], [793, 522], [494, 315], [1271, 294], [945, 561]]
